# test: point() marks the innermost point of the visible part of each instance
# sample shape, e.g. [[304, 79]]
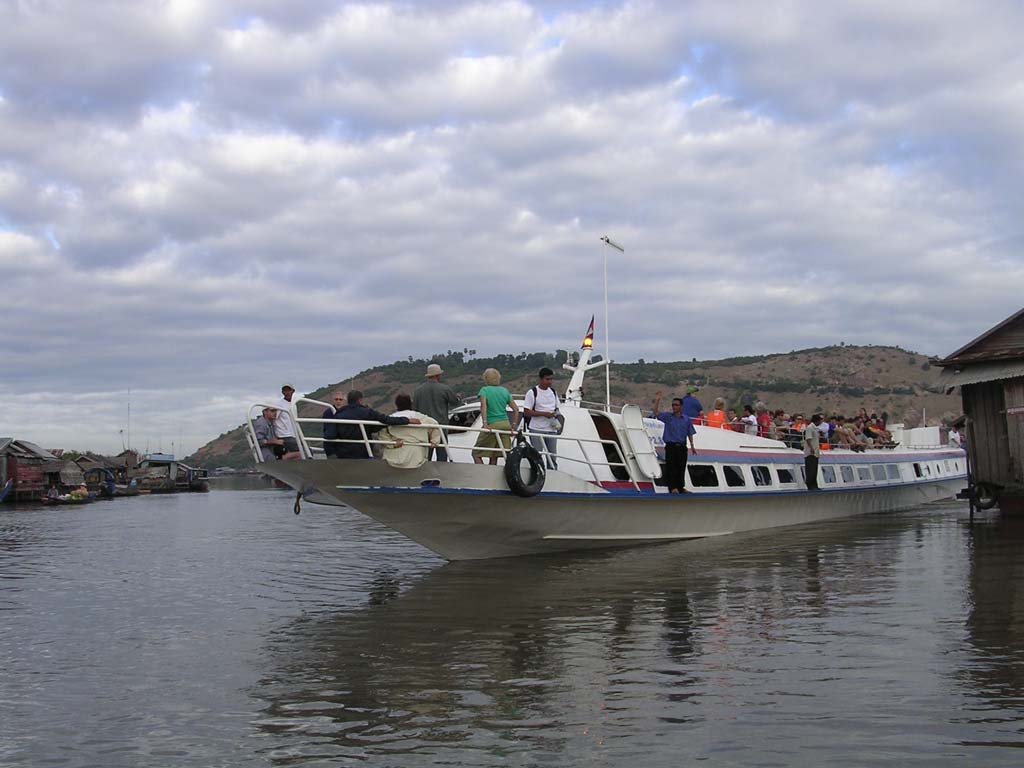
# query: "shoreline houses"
[[990, 373], [27, 471]]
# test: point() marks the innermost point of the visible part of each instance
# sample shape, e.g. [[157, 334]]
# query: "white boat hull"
[[466, 512]]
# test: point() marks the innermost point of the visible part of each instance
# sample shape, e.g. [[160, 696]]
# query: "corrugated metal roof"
[[980, 372]]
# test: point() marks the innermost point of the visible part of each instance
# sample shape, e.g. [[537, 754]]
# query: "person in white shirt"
[[956, 440], [812, 451], [540, 408], [283, 426], [749, 420]]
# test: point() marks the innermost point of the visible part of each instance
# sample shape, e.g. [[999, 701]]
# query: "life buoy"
[[519, 485], [985, 496]]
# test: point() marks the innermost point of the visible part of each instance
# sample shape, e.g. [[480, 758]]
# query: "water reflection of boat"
[[607, 490], [530, 653]]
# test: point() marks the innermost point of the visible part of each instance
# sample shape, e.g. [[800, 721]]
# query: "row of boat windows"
[[736, 476]]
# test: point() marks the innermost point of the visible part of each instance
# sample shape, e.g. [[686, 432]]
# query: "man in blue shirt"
[[691, 405], [678, 429]]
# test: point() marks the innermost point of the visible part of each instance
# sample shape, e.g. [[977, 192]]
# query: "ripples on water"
[[220, 629]]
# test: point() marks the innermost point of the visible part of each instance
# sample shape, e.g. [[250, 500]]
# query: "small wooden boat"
[[55, 501]]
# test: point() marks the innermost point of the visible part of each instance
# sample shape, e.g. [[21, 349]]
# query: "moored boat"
[[69, 498], [608, 489]]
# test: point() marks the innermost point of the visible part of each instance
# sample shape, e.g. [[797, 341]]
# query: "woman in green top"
[[494, 400]]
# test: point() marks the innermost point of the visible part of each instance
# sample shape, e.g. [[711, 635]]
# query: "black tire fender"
[[519, 485], [985, 496]]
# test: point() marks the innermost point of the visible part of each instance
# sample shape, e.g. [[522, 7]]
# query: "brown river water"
[[222, 630]]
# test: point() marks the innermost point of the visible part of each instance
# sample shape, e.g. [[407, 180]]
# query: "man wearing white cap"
[[283, 427], [435, 400]]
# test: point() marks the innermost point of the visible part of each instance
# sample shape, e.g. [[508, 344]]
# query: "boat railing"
[[312, 446], [590, 404]]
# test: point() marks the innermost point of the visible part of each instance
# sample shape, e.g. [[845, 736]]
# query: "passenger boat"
[[607, 491]]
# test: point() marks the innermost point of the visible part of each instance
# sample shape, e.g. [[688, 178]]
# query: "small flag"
[[588, 340]]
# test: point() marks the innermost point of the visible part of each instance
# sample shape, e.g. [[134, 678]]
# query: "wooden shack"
[[990, 373], [31, 469]]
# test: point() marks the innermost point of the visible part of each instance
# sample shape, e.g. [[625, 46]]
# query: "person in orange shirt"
[[717, 418]]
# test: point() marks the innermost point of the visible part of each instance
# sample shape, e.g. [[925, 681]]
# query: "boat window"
[[828, 474], [761, 475], [937, 468], [863, 473], [703, 476], [917, 470], [878, 472], [733, 476], [893, 471], [785, 475], [956, 465], [847, 472]]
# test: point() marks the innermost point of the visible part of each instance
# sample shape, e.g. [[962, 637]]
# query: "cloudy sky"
[[201, 198]]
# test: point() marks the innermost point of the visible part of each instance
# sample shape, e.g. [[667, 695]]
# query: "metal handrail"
[[307, 449]]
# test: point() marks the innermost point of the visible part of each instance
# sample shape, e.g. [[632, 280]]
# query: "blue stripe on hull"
[[650, 494]]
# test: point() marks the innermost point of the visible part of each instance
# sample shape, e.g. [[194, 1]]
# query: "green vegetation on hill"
[[837, 379]]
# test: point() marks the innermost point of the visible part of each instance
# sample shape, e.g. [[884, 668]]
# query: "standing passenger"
[[812, 451], [494, 403], [540, 408], [692, 407], [678, 429], [749, 420], [283, 426], [955, 440], [435, 399]]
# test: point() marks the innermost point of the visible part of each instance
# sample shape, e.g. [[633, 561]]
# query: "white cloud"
[[198, 197]]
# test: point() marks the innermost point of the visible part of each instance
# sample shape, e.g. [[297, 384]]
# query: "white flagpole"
[[607, 349]]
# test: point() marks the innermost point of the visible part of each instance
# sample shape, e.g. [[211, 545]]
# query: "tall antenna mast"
[[607, 349]]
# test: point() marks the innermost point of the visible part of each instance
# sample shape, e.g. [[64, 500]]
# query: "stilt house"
[[990, 373]]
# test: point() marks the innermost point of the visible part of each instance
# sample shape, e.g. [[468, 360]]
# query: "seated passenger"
[[733, 421], [410, 445], [765, 425], [356, 411], [717, 417], [271, 446], [862, 438]]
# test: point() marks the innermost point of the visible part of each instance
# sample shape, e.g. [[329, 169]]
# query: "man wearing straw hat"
[[435, 400]]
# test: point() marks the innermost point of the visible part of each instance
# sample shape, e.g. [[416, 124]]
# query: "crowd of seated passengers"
[[858, 434]]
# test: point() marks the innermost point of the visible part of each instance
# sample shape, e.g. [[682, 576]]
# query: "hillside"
[[837, 379]]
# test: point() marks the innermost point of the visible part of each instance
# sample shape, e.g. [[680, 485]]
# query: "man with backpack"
[[540, 408]]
